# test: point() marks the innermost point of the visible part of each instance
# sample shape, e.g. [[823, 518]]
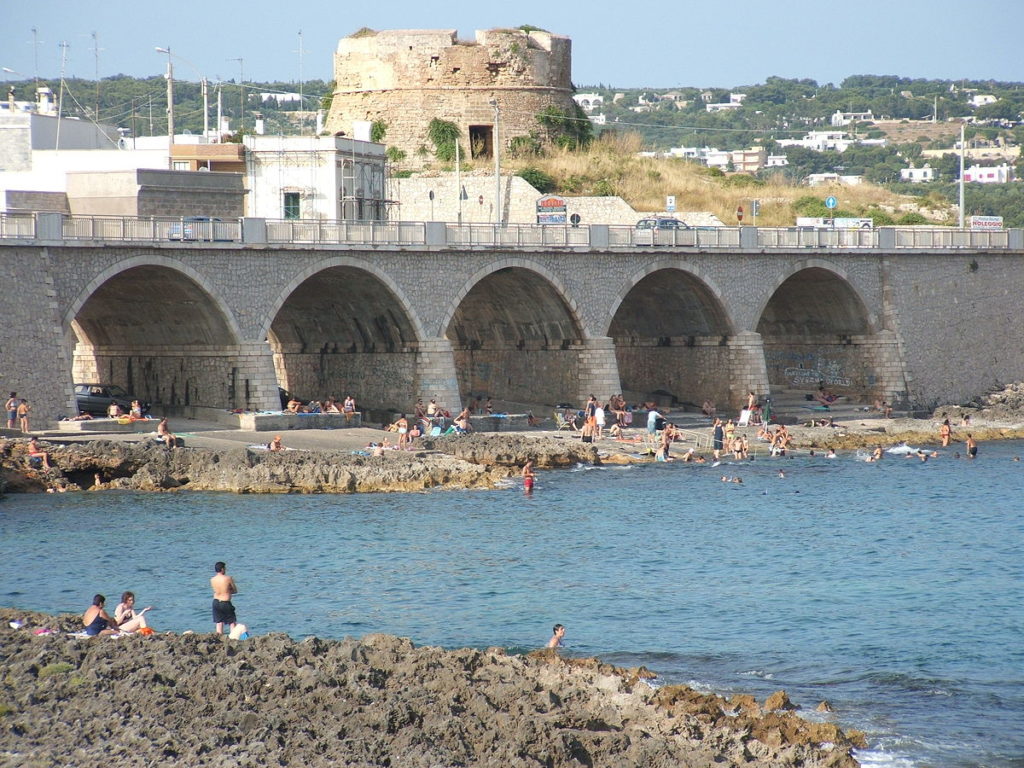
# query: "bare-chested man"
[[223, 588]]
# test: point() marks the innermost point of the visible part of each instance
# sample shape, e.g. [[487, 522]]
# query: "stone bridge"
[[223, 324]]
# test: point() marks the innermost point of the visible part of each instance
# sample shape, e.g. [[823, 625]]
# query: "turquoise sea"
[[893, 590]]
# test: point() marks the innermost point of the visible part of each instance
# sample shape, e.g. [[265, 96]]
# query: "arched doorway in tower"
[[343, 331], [157, 333], [515, 339], [671, 337], [816, 331]]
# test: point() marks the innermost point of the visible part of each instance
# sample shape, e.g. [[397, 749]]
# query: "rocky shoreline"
[[479, 460], [206, 700], [472, 461]]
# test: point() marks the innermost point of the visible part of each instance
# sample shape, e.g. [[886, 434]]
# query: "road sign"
[[670, 203], [739, 213], [574, 219], [831, 202], [755, 208]]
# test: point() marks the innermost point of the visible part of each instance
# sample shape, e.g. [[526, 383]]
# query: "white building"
[[996, 174], [917, 175], [841, 119], [982, 99], [315, 177], [822, 141], [824, 179], [588, 102]]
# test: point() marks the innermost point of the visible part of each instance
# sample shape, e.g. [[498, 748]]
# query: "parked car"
[[661, 222], [96, 398], [205, 228]]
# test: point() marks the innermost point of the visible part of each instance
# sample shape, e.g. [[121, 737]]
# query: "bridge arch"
[[152, 325], [515, 335], [816, 329], [342, 325], [672, 334]]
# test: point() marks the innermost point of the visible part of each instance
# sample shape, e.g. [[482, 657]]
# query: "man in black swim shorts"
[[223, 588]]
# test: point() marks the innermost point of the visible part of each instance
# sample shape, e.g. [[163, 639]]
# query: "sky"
[[622, 45]]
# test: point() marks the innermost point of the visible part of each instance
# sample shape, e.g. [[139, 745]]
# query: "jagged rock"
[[202, 699], [823, 707], [779, 701]]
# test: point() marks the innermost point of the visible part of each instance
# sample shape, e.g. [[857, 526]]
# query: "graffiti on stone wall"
[[808, 369]]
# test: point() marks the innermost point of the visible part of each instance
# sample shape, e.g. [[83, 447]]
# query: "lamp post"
[[497, 164], [961, 175], [170, 106]]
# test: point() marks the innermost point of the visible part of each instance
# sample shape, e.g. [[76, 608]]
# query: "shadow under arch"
[[344, 327], [671, 331], [515, 335], [150, 326], [817, 331]]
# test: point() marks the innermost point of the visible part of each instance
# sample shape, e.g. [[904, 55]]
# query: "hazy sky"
[[628, 44]]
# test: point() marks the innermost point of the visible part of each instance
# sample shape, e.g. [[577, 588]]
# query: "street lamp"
[[170, 106], [497, 164]]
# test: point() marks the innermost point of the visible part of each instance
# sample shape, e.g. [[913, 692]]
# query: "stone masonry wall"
[[409, 77]]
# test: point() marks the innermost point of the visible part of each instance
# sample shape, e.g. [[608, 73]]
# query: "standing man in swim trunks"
[[972, 447], [223, 588]]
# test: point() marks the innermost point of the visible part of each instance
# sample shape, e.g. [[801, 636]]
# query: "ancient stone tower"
[[406, 78]]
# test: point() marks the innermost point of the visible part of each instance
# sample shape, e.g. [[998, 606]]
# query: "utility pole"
[[170, 106], [96, 56], [241, 90], [962, 175], [497, 164], [302, 103], [60, 100]]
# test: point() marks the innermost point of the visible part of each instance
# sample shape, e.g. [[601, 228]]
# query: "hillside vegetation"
[[611, 166]]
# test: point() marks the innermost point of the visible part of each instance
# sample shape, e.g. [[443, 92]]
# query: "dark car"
[[207, 228], [661, 222], [96, 398]]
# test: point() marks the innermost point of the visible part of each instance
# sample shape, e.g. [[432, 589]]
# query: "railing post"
[[254, 230], [599, 236], [436, 233], [1015, 239], [49, 226], [748, 237]]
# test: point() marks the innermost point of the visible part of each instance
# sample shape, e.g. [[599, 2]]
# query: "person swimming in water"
[[557, 633]]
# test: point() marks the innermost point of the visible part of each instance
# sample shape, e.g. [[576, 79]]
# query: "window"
[[291, 205], [180, 165], [481, 141]]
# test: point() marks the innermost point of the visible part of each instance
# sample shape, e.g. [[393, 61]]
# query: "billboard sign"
[[985, 222], [551, 209]]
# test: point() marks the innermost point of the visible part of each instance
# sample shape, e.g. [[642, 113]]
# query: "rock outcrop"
[[467, 461], [205, 700]]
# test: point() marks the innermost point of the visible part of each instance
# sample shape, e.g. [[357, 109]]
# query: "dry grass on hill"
[[611, 167]]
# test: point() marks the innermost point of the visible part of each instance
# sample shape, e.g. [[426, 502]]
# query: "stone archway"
[[156, 331], [516, 338], [673, 339], [343, 330], [816, 330]]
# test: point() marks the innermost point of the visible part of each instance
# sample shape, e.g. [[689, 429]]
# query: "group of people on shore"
[[17, 412], [347, 407], [128, 620]]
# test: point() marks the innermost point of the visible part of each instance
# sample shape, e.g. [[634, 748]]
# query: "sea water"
[[893, 590]]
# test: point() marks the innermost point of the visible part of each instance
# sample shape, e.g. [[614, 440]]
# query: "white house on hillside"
[[996, 174], [917, 175], [588, 102]]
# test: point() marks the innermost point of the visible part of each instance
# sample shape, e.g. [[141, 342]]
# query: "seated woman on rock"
[[96, 620], [127, 618]]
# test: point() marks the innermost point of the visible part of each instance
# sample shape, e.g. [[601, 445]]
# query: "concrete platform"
[[280, 422], [105, 425]]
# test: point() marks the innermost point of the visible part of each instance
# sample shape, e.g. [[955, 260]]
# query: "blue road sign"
[[831, 202]]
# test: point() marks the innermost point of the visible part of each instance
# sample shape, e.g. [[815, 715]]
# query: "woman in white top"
[[127, 618]]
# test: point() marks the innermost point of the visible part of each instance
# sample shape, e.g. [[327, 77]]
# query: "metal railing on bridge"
[[201, 230]]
